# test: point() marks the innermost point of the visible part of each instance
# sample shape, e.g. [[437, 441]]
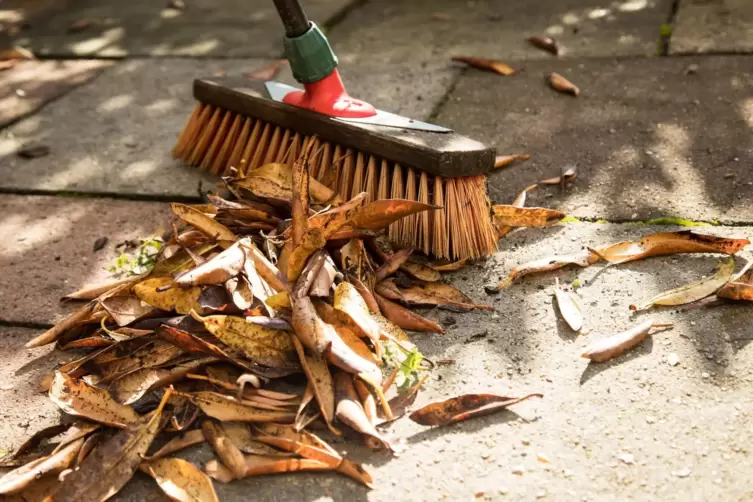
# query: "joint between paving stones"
[[445, 97], [341, 14], [136, 197]]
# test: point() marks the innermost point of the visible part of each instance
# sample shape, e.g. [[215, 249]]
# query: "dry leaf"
[[382, 213], [393, 263], [545, 43], [112, 464], [739, 287], [17, 53], [60, 328], [506, 160], [486, 64], [694, 291], [464, 407], [79, 399], [150, 355], [666, 243], [258, 465], [421, 271], [366, 293], [160, 293], [451, 266], [405, 318], [190, 438], [607, 348], [350, 411], [17, 479], [125, 309], [181, 480], [428, 293], [569, 173], [134, 386], [79, 26], [348, 300], [548, 263], [93, 292], [227, 408], [569, 308], [229, 454], [217, 270], [268, 71], [561, 84], [320, 380], [242, 437], [525, 216], [204, 224]]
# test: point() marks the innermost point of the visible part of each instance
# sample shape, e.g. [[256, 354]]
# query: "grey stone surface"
[[47, 249], [695, 416], [649, 140], [30, 85], [115, 135], [713, 26], [397, 31], [229, 28]]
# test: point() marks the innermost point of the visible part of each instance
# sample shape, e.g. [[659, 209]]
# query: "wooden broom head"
[[218, 139]]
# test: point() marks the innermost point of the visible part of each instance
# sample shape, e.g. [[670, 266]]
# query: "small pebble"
[[650, 420], [705, 375], [541, 494], [519, 470], [627, 458], [684, 473], [673, 359]]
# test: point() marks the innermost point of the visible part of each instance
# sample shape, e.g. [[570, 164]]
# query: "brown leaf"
[[126, 309], [506, 160], [217, 270], [525, 216], [324, 281], [569, 173], [486, 64], [393, 263], [268, 71], [264, 346], [366, 293], [181, 480], [17, 479], [449, 266], [320, 381], [242, 437], [204, 224], [134, 386], [607, 348], [349, 301], [257, 465], [150, 355], [555, 262], [79, 26], [275, 181], [666, 243], [17, 53], [545, 43], [561, 84], [33, 442], [228, 453], [740, 287], [381, 213], [178, 443], [226, 408], [569, 308], [266, 270], [464, 407], [93, 292], [428, 293], [421, 271], [79, 399], [405, 318], [153, 292], [350, 411], [300, 195], [60, 328], [112, 464]]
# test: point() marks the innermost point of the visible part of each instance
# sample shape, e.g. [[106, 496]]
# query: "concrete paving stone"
[[229, 28], [32, 84], [648, 139], [695, 416], [47, 250], [421, 30], [23, 410], [713, 26], [115, 136]]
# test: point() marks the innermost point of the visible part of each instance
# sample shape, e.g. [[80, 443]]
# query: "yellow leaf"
[[213, 229], [181, 480], [182, 301]]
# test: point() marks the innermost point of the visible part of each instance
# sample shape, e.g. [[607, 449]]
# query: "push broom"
[[240, 125]]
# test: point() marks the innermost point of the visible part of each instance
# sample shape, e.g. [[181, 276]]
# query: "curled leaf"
[[569, 308], [666, 243], [486, 64], [607, 348], [429, 293], [545, 43], [190, 438], [506, 160], [464, 407], [181, 480], [205, 224], [405, 318], [320, 381], [695, 290], [548, 263], [228, 453], [561, 84], [60, 328], [18, 479], [79, 399], [226, 408], [382, 213], [513, 216], [350, 411], [217, 270], [158, 292]]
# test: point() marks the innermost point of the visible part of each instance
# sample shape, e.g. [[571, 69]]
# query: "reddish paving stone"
[[48, 248], [30, 85]]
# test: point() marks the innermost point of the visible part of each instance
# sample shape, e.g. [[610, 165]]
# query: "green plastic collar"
[[310, 56]]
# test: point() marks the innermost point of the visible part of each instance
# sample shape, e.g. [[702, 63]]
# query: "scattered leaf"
[[268, 71], [464, 407], [228, 453], [33, 151], [545, 43], [405, 318], [428, 293], [550, 263], [190, 438], [610, 347], [486, 64], [451, 266], [382, 213], [60, 328], [320, 380], [525, 216], [506, 160], [350, 411], [695, 290], [79, 399], [561, 84], [569, 308], [666, 243], [569, 173], [18, 479], [181, 480]]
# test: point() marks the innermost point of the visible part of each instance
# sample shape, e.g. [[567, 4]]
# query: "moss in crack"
[[680, 222]]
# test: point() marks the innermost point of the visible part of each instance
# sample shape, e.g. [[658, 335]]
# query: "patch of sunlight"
[[11, 16], [162, 105], [141, 169], [204, 47], [8, 146], [555, 30], [627, 39], [115, 103], [97, 43], [633, 5], [570, 18], [170, 13], [738, 83], [672, 146], [746, 108], [598, 13], [29, 233], [77, 172], [28, 126]]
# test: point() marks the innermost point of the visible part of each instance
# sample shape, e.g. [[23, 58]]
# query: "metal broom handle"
[[293, 18]]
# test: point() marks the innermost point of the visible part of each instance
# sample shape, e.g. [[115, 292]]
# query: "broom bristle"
[[220, 140]]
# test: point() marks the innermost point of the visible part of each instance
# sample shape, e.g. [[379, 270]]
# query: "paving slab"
[[31, 84], [47, 250], [227, 28], [649, 140], [422, 30], [115, 135], [23, 410], [709, 26], [687, 427]]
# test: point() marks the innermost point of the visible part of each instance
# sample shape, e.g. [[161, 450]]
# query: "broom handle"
[[293, 18]]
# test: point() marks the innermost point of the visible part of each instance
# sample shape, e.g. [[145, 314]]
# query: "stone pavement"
[[652, 137]]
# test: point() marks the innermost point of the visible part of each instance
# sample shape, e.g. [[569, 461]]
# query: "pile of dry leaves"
[[274, 311]]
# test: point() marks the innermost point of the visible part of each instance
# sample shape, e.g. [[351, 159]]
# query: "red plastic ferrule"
[[329, 97]]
